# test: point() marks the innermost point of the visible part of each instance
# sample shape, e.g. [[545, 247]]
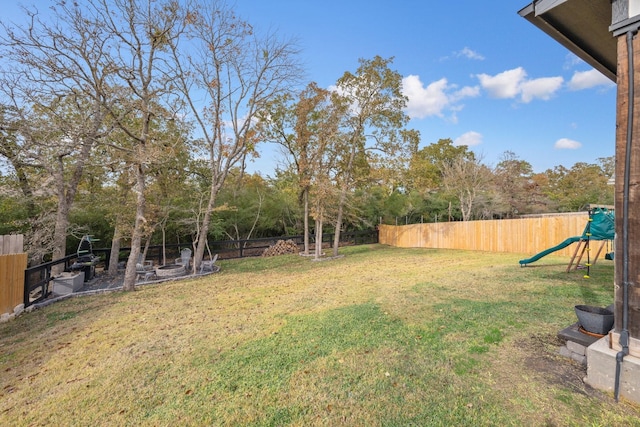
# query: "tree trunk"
[[343, 200], [338, 226], [164, 246], [115, 251], [204, 230], [60, 233], [305, 196], [136, 238], [66, 195], [318, 253]]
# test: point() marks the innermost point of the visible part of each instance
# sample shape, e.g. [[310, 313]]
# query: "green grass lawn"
[[382, 336]]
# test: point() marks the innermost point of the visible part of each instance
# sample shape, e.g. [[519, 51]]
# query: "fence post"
[[25, 290], [107, 258]]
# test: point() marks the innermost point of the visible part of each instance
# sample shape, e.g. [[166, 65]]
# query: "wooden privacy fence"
[[12, 265], [523, 235]]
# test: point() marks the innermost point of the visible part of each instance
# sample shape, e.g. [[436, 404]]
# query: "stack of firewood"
[[282, 247]]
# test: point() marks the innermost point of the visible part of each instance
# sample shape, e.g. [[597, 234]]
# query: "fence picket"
[[11, 244]]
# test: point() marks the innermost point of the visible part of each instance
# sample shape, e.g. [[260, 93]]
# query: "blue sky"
[[474, 72]]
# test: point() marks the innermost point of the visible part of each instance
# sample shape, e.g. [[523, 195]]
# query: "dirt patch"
[[565, 373], [532, 366], [545, 360]]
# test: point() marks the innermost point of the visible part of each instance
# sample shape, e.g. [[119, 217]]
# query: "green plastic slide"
[[546, 252]]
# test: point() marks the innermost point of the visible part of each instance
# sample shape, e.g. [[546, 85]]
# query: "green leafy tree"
[[425, 171], [576, 188], [374, 128], [245, 199], [511, 177], [305, 126], [286, 212]]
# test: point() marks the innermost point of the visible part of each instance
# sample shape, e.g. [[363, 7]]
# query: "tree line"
[[133, 120]]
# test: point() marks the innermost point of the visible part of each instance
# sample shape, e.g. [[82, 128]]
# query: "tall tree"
[[512, 179], [103, 60], [227, 76], [140, 34], [426, 164], [466, 179], [375, 122], [305, 127], [576, 188], [51, 79]]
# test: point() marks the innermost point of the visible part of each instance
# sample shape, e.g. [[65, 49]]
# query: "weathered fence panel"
[[11, 244], [521, 235], [12, 269]]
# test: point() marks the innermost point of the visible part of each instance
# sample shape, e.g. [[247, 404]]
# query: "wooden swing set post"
[[584, 249]]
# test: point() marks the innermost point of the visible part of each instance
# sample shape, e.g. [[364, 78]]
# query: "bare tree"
[[227, 76], [109, 60], [467, 179]]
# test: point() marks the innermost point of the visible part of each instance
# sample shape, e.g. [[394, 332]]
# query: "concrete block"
[[577, 348], [581, 359], [564, 351], [601, 370], [67, 283]]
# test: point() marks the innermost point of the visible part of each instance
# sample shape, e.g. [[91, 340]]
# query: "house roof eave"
[[582, 26]]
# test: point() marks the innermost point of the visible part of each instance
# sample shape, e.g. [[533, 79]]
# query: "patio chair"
[[209, 265], [144, 269], [185, 258]]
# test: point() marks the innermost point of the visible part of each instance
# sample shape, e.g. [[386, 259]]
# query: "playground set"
[[600, 227]]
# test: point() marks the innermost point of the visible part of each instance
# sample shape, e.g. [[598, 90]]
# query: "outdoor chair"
[[185, 258], [142, 263], [144, 269], [209, 264]]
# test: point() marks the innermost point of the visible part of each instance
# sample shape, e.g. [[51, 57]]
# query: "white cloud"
[[542, 88], [434, 99], [567, 144], [514, 83], [469, 139], [465, 52], [505, 84], [470, 54], [588, 79], [423, 102], [465, 92]]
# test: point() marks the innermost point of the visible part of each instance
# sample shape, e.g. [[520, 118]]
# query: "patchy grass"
[[382, 336]]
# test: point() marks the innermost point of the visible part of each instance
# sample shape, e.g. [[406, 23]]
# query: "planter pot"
[[594, 319], [171, 270]]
